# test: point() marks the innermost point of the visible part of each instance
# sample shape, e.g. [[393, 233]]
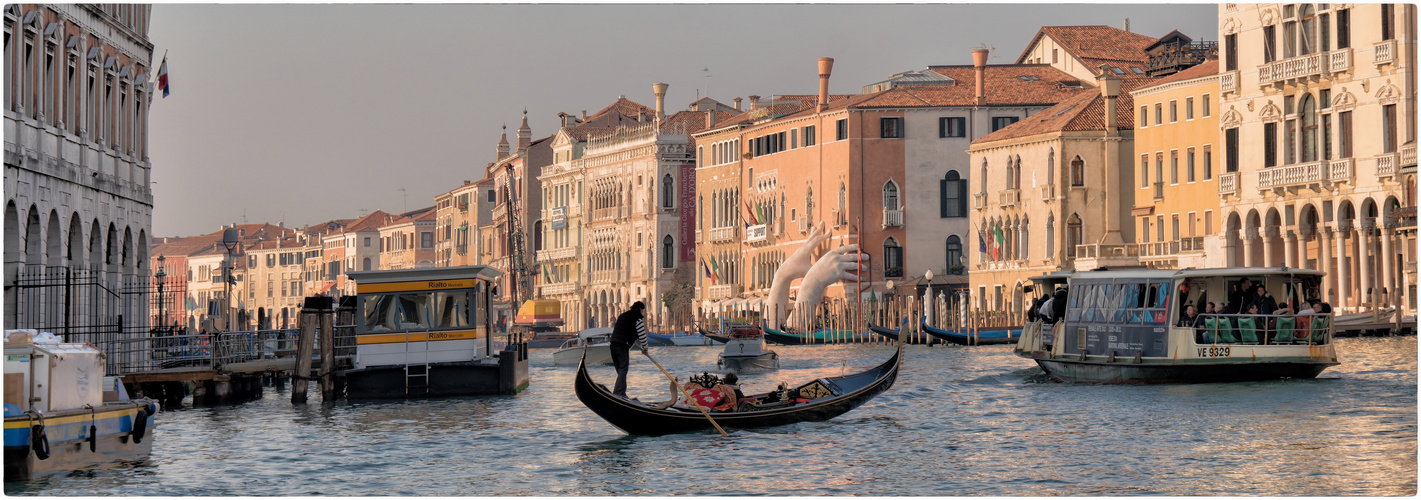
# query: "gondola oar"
[[688, 395]]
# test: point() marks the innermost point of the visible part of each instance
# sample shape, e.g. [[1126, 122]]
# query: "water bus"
[[427, 332], [62, 413], [1131, 326]]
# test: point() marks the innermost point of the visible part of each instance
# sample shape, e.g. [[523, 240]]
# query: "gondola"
[[778, 337], [826, 398], [892, 334], [984, 337], [715, 336]]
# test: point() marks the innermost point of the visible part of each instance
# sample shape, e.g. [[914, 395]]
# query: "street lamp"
[[231, 240], [159, 275], [929, 305]]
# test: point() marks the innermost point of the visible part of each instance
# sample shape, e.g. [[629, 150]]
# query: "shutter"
[[942, 195]]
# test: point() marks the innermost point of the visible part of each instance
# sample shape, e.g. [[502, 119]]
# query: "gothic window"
[[668, 254], [1074, 235], [1051, 236], [668, 192], [892, 259], [955, 265], [1308, 109], [1077, 172], [1051, 167], [984, 178], [890, 195], [953, 195]]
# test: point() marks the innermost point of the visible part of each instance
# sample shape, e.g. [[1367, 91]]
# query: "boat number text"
[[1214, 352]]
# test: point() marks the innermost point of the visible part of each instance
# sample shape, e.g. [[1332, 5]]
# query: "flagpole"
[[154, 78]]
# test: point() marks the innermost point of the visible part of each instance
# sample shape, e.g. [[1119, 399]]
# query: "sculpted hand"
[[836, 265], [794, 267]]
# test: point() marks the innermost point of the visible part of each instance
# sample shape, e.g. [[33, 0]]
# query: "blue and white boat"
[[62, 413]]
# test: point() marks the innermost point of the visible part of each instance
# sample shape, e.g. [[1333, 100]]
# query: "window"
[[1344, 134], [1077, 172], [668, 252], [1159, 175], [1270, 43], [1054, 57], [668, 192], [1189, 108], [1159, 113], [1344, 29], [843, 129], [1204, 106], [1051, 236], [1145, 229], [1388, 124], [1174, 167], [1326, 36], [1159, 227], [1144, 171], [1189, 165], [1307, 39], [809, 136], [1326, 137], [1208, 162], [955, 265], [1231, 52], [1270, 144], [949, 126], [1191, 218], [794, 138], [1074, 236], [891, 128], [1208, 223], [983, 177], [953, 196], [1174, 227], [1144, 116], [1000, 122], [426, 239], [1231, 150], [1308, 111], [1051, 166], [1173, 111], [365, 265], [1388, 15], [892, 259], [890, 195]]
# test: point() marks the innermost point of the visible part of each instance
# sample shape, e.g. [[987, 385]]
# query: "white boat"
[[597, 341], [745, 352]]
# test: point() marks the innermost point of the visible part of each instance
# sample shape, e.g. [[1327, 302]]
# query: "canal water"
[[960, 421]]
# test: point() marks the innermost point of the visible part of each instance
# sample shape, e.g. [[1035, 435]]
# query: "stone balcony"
[[1228, 82], [892, 218], [1009, 198], [718, 292], [722, 234], [1048, 192], [557, 254], [571, 287], [1318, 65], [1313, 174], [1097, 255], [1228, 183], [979, 201], [1384, 52]]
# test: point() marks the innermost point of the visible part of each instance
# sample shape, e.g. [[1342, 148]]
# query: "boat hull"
[[765, 361], [1147, 372], [596, 355], [508, 375], [989, 337], [68, 438]]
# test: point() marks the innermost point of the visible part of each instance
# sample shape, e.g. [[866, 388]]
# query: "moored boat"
[[745, 352], [62, 413], [892, 334], [680, 339], [1131, 326], [780, 337], [596, 341], [718, 337], [815, 401], [982, 337]]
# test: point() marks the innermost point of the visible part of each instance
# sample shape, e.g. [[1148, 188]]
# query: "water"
[[960, 421]]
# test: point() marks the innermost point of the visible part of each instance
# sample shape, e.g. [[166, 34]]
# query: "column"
[[1231, 249], [1305, 235], [1290, 243], [1364, 264], [1388, 280], [1268, 235], [1250, 237], [1344, 272], [1324, 263]]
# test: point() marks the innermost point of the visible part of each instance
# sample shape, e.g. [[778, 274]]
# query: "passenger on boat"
[[1058, 304], [1191, 317], [1209, 308], [1264, 299], [1314, 308], [629, 329], [1240, 296], [1044, 310]]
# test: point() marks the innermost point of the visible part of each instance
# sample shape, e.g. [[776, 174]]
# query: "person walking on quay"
[[630, 328]]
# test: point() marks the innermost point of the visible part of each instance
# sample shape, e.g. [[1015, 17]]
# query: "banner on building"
[[688, 212]]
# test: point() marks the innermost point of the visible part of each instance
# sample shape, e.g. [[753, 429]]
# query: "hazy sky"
[[306, 113]]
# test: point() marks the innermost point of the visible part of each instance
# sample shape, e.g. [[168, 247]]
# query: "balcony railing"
[[1291, 176], [1408, 156], [1384, 52], [560, 288], [1302, 67], [756, 233], [892, 218], [605, 276], [557, 254], [1228, 183], [1190, 244], [718, 292], [1340, 170], [1048, 192], [719, 234], [1340, 61], [607, 213], [979, 201], [1386, 164], [1228, 82], [1098, 250], [1010, 198]]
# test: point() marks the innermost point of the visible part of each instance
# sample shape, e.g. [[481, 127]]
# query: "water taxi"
[[745, 351], [427, 332], [597, 342], [62, 413], [1133, 326]]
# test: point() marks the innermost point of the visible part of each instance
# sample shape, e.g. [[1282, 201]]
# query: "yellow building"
[[1176, 199]]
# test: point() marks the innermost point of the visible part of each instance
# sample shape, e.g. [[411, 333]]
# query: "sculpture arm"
[[794, 267], [836, 265]]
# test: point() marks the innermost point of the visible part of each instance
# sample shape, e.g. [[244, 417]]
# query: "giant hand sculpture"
[[836, 265], [794, 267]]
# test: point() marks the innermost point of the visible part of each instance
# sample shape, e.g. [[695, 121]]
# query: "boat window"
[[453, 308], [377, 311], [1122, 300], [399, 311]]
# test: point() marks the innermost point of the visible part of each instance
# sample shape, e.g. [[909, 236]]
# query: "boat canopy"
[[594, 332]]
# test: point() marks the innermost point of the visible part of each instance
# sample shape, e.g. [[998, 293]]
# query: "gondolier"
[[630, 328]]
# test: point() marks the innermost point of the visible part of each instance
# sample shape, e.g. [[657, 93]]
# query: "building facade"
[[407, 241], [1318, 127]]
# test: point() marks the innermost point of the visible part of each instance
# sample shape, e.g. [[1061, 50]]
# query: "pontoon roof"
[[426, 274]]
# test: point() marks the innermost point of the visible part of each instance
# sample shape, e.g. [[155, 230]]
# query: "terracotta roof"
[[1095, 42], [211, 243], [1009, 84], [370, 222], [695, 121], [785, 105], [1082, 112], [1206, 68]]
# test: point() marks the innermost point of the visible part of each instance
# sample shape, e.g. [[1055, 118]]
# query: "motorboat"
[[596, 341], [745, 352]]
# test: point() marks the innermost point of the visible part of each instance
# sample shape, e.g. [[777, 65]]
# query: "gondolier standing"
[[630, 328]]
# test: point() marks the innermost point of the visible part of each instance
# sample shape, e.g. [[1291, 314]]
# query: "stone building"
[[1318, 130], [407, 240]]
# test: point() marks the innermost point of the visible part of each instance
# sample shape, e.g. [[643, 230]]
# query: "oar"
[[688, 395]]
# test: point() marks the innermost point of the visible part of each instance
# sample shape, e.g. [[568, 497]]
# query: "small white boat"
[[597, 341], [745, 352]]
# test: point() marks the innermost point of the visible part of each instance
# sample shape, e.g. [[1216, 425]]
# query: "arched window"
[[1077, 172], [668, 252], [1016, 173], [984, 178], [668, 192], [1074, 236], [1051, 167], [809, 205], [953, 195], [955, 265], [892, 259], [1023, 251], [700, 211], [1011, 179], [1308, 109], [890, 195], [1051, 236], [843, 205], [365, 265]]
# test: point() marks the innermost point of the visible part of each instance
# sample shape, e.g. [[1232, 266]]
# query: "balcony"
[[1095, 255], [979, 201], [1190, 244], [1384, 52], [1317, 65], [1228, 82], [892, 218], [718, 292], [606, 213], [1408, 156], [1291, 176], [1048, 192], [1340, 170], [560, 288], [720, 234], [607, 276], [840, 219], [1009, 198], [1386, 164], [756, 233], [557, 254], [1228, 183], [804, 224]]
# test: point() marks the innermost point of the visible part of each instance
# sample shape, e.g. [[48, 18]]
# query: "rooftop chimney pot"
[[979, 65], [737, 104], [659, 89], [826, 68]]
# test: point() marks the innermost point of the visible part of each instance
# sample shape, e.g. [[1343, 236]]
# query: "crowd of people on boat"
[[1252, 316]]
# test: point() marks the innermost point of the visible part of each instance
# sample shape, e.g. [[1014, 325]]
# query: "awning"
[[328, 287]]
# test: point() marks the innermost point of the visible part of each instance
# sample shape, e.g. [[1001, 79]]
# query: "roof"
[[370, 222], [1207, 68], [1082, 112], [1010, 84], [1172, 37], [212, 242], [1105, 43]]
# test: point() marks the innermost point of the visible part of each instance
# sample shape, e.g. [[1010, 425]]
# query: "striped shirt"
[[641, 334]]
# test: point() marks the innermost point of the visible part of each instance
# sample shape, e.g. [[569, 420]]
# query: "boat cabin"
[[421, 316]]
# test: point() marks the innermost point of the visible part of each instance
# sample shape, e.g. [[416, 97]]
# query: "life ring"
[[39, 441], [140, 424]]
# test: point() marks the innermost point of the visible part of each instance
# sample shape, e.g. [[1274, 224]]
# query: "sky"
[[299, 114]]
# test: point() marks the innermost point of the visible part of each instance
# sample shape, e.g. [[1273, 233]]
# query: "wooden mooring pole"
[[315, 320], [328, 350]]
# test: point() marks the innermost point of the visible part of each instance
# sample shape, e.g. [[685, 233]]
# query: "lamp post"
[[158, 276], [928, 303], [231, 240], [887, 302]]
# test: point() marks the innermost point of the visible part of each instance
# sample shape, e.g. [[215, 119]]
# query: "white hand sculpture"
[[794, 267], [836, 265]]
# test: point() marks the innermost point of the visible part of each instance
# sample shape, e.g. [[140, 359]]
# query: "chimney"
[[737, 104], [659, 89], [584, 115], [826, 66], [754, 102], [1127, 24], [979, 63], [1110, 90], [710, 118]]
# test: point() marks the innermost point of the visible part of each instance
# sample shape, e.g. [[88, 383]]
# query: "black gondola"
[[985, 337], [892, 334], [714, 336], [785, 338], [827, 398]]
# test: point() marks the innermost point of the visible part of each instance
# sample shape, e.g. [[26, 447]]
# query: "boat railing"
[[1265, 329]]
